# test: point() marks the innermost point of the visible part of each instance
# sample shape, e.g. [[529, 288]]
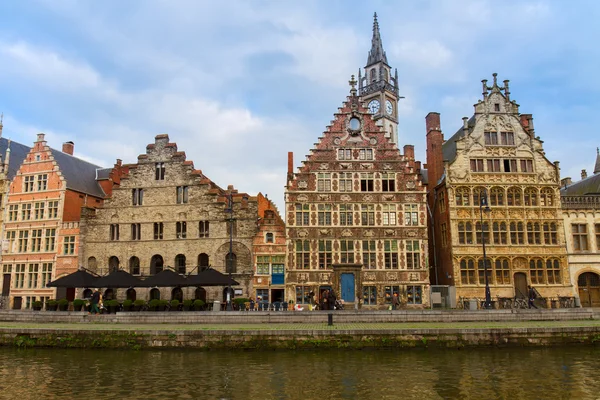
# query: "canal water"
[[511, 373]]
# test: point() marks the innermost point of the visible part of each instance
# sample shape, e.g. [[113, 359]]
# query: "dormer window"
[[269, 237], [159, 171], [497, 107]]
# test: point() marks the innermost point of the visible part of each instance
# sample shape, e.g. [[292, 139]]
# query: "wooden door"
[[520, 280], [6, 285], [17, 303], [589, 289]]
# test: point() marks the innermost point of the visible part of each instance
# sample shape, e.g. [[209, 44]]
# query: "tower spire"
[[376, 54], [597, 166]]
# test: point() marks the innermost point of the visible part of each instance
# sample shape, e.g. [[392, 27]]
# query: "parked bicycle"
[[566, 302], [519, 302]]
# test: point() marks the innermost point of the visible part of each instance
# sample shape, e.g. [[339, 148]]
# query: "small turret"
[[597, 166]]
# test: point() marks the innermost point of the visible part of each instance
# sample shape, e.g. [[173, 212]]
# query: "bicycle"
[[519, 302], [505, 302], [462, 303], [566, 302]]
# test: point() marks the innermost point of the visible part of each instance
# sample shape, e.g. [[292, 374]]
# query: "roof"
[[587, 186], [449, 146], [79, 174], [597, 166], [425, 176], [376, 54], [103, 173], [18, 152]]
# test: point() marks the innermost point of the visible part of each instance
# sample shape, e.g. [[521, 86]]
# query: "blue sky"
[[238, 84]]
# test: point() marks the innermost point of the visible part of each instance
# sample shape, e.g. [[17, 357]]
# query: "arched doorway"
[[155, 294], [203, 261], [87, 293], [520, 280], [200, 294], [109, 294], [177, 294], [131, 294], [113, 264], [588, 285], [156, 264]]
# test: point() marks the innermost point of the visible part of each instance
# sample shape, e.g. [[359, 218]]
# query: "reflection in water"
[[517, 373]]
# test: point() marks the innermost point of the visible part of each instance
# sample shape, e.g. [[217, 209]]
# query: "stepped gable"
[[264, 205], [339, 134]]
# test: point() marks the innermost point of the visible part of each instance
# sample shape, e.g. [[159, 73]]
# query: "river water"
[[510, 373]]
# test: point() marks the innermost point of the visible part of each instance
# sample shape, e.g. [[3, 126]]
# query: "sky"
[[239, 84]]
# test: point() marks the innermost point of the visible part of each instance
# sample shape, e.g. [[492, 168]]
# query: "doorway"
[[6, 285], [588, 285], [347, 283], [17, 303], [277, 295], [520, 285]]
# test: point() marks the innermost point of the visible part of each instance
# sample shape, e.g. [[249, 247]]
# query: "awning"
[[165, 278], [77, 279], [210, 277], [118, 279]]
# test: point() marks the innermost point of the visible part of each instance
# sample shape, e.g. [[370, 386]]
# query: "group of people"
[[327, 300]]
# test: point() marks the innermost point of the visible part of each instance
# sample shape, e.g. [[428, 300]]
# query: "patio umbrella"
[[118, 279], [77, 279], [165, 278], [211, 277]]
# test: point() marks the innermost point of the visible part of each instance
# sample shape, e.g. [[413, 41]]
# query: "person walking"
[[532, 295], [94, 302]]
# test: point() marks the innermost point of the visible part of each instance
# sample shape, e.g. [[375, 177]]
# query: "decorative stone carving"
[[324, 166], [392, 276], [389, 232], [324, 277], [302, 185], [345, 197], [345, 165], [388, 197], [324, 232], [411, 233], [302, 276], [387, 166], [546, 176], [410, 198], [413, 276], [410, 185], [464, 214], [458, 175], [324, 197], [337, 140], [346, 233], [367, 198], [373, 141], [366, 166], [303, 198], [370, 276], [303, 233], [369, 233]]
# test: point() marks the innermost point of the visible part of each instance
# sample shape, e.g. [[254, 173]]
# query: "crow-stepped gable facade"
[[166, 214], [496, 156], [356, 210]]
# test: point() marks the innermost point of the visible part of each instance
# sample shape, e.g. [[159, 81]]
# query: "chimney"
[[409, 151], [432, 122], [68, 148], [583, 174], [564, 182]]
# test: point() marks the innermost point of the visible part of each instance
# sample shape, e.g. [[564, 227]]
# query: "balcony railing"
[[580, 202]]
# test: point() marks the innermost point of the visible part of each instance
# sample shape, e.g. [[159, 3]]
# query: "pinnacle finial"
[[376, 54], [352, 83], [495, 75]]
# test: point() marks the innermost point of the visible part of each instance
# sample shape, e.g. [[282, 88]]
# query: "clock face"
[[389, 108], [374, 106]]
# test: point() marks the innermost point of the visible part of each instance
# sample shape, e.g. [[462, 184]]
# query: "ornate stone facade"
[[581, 213], [166, 214], [496, 156], [356, 211]]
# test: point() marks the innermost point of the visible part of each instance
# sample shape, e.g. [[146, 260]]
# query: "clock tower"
[[378, 89]]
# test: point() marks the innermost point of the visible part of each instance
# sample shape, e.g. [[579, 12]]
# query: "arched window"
[[499, 229], [131, 294], [536, 271], [373, 75], [134, 265], [200, 294], [203, 261], [467, 272], [269, 237], [92, 264], [547, 198], [87, 293], [465, 233], [177, 294], [230, 263], [502, 270], [113, 264], [531, 197], [156, 264], [109, 294], [155, 294], [180, 263], [462, 196], [478, 194], [385, 74], [516, 233], [514, 197], [497, 196], [553, 271]]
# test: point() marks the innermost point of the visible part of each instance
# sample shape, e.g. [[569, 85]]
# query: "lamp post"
[[483, 206], [230, 255]]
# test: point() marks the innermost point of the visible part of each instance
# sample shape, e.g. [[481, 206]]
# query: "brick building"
[[356, 208], [167, 214], [41, 227], [580, 203], [269, 254], [496, 155]]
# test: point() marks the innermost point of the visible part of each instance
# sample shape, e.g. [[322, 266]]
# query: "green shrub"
[[163, 303], [174, 303], [153, 304], [138, 303], [37, 305], [127, 303], [52, 303], [111, 303], [188, 303], [78, 303], [240, 300], [198, 304], [63, 302]]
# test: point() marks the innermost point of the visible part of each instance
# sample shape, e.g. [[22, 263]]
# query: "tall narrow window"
[[263, 265], [366, 181], [514, 197], [530, 198], [53, 209], [502, 272], [536, 272], [547, 198], [411, 215], [136, 232], [46, 274], [114, 232], [388, 182], [347, 251], [390, 248], [442, 200], [516, 233], [465, 233], [369, 295], [50, 239], [324, 214], [13, 212], [463, 196], [269, 238], [302, 254], [19, 276], [182, 194], [444, 234], [11, 236], [36, 240], [302, 214], [134, 266], [367, 214], [477, 165], [325, 254], [481, 271], [26, 212], [413, 254], [597, 236], [346, 214], [23, 241], [180, 263], [69, 245], [526, 165], [159, 169], [28, 183], [42, 182], [181, 229], [32, 278], [137, 197], [158, 230], [369, 254], [497, 196], [500, 233], [467, 272], [533, 233], [345, 182], [493, 165], [389, 214], [507, 138], [580, 237], [203, 229], [39, 210], [491, 138], [553, 271], [550, 233]]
